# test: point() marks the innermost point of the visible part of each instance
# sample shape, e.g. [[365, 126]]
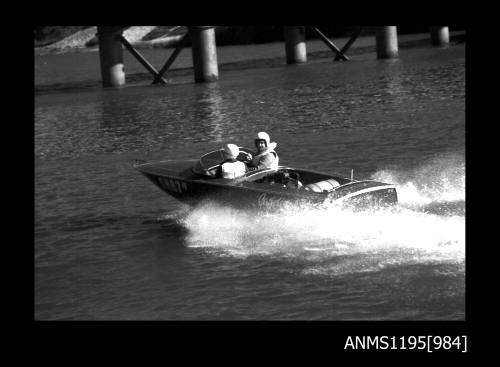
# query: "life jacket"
[[232, 168], [269, 150]]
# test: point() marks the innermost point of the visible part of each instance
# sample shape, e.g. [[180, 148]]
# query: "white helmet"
[[263, 136], [231, 150]]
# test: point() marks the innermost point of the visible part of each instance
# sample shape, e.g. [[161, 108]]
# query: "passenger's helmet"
[[263, 136], [231, 150]]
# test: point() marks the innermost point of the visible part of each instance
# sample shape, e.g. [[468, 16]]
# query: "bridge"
[[204, 50]]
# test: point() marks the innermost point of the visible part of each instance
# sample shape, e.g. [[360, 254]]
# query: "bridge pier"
[[440, 36], [295, 45], [204, 54], [111, 56], [387, 42]]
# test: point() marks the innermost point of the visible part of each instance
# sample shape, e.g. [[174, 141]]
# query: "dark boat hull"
[[192, 192], [177, 179]]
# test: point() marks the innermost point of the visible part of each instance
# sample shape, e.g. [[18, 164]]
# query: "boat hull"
[[192, 192], [177, 179]]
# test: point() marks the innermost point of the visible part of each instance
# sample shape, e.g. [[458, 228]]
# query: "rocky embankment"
[[140, 37]]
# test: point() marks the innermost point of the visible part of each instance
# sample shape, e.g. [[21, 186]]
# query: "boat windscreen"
[[212, 159], [208, 162]]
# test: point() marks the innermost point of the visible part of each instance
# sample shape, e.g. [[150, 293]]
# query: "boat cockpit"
[[286, 176]]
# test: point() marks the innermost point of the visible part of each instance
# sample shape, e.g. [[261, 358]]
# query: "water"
[[110, 245]]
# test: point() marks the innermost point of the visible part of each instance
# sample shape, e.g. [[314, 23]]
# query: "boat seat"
[[326, 185]]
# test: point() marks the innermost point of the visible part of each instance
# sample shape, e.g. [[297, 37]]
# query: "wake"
[[427, 227], [442, 180]]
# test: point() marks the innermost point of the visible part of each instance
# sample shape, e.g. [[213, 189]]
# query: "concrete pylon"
[[111, 56], [204, 54], [440, 35], [295, 45], [387, 42]]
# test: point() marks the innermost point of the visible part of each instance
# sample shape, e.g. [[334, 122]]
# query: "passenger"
[[289, 180], [265, 157], [293, 181], [231, 167]]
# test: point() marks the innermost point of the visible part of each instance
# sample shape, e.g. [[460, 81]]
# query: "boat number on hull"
[[172, 185]]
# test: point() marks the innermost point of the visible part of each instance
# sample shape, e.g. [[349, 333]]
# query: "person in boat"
[[289, 180], [265, 156], [293, 181], [231, 167]]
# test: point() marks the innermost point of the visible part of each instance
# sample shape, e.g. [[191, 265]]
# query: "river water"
[[109, 245]]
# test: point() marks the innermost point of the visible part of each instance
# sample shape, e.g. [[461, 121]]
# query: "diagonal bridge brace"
[[171, 59], [340, 54], [158, 75]]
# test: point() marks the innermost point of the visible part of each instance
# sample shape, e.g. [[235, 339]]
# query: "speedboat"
[[192, 181]]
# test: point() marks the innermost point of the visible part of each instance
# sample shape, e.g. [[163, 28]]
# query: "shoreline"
[[166, 42], [169, 42], [86, 40]]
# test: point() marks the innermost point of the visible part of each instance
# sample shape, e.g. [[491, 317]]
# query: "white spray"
[[366, 240]]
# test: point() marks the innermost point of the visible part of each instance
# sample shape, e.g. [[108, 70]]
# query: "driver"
[[231, 168], [265, 157]]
